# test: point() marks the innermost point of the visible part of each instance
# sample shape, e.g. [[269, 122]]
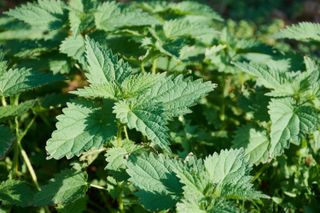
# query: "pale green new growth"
[[66, 187], [303, 31], [84, 125]]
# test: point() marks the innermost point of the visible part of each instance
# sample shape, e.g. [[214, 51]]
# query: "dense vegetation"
[[150, 106]]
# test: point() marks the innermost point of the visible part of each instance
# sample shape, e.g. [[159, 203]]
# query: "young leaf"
[[16, 193], [83, 125], [74, 47], [66, 187]]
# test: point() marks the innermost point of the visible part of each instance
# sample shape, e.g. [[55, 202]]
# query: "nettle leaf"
[[105, 90], [84, 125], [289, 121], [192, 8], [186, 27], [159, 188], [271, 78], [74, 47], [16, 81], [177, 94], [81, 15], [16, 192], [44, 14], [6, 140], [206, 184], [117, 156], [111, 16], [255, 143], [145, 118], [103, 66], [16, 110], [303, 31], [66, 187]]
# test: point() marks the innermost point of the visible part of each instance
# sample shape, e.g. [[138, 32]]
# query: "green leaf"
[[289, 122], [81, 15], [271, 78], [227, 166], [254, 142], [84, 125], [106, 90], [16, 81], [103, 66], [16, 110], [185, 27], [74, 47], [45, 14], [6, 140], [176, 94], [66, 187], [117, 156], [303, 31], [147, 119], [111, 16], [16, 193], [159, 188], [192, 8]]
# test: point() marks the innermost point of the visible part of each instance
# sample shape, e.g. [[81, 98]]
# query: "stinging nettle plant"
[[109, 106]]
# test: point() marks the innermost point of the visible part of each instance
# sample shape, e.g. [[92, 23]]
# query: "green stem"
[[3, 101], [261, 170], [119, 138], [30, 168], [126, 132], [142, 67], [97, 187], [154, 66]]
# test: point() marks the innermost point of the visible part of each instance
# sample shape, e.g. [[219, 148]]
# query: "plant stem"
[[119, 138], [97, 187], [126, 132], [3, 101], [30, 168], [154, 66], [142, 67]]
